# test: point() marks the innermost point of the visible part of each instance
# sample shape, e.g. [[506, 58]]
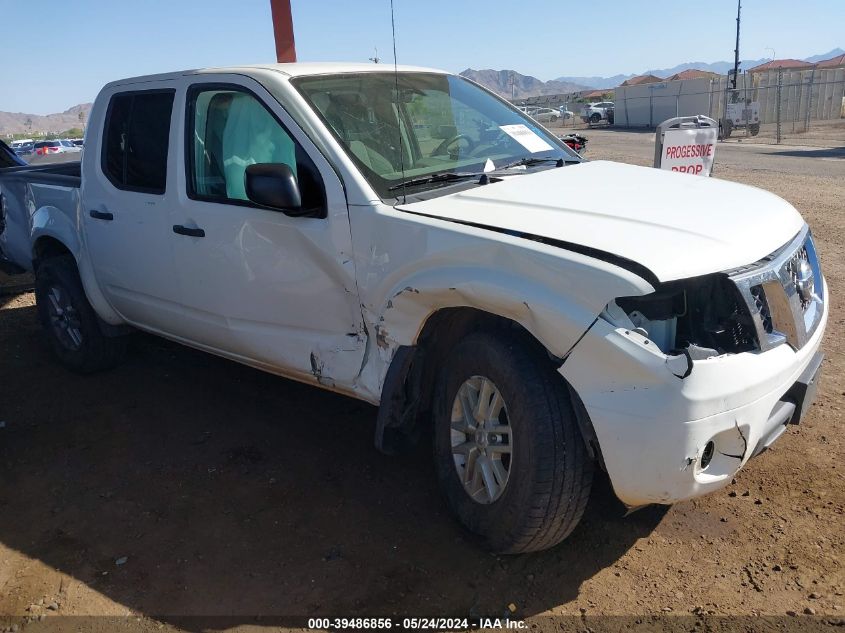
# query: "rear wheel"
[[69, 321], [595, 117], [754, 128], [509, 457]]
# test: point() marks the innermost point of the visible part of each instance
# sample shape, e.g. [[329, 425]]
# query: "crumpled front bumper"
[[653, 426]]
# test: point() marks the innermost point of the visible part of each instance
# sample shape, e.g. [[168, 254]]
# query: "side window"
[[136, 140], [230, 129]]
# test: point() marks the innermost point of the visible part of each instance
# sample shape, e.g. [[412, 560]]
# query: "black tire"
[[595, 117], [94, 351], [550, 472], [754, 128]]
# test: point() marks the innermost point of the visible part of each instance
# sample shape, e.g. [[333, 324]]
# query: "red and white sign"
[[689, 151]]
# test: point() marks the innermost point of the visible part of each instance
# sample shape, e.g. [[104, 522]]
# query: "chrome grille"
[[784, 293], [762, 306]]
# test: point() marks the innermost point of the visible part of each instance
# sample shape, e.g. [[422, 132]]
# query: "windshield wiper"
[[532, 160], [446, 176]]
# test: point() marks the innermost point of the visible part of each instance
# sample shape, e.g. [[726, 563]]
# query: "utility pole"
[[283, 30], [736, 50]]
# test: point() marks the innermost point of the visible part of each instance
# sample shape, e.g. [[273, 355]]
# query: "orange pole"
[[283, 31]]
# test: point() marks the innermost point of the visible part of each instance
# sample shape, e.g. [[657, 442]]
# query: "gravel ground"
[[181, 484]]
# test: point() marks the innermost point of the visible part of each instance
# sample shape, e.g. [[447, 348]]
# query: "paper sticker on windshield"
[[526, 137]]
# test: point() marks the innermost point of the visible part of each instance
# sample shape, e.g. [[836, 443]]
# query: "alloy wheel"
[[482, 440]]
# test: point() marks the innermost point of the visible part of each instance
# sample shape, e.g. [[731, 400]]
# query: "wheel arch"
[[409, 384], [548, 302], [49, 242]]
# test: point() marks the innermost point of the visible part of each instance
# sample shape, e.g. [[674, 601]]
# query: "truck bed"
[[24, 190]]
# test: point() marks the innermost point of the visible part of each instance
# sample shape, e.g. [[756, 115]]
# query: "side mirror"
[[274, 185]]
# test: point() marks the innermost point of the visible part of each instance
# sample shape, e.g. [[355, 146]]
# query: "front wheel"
[[754, 128], [509, 456], [595, 117], [70, 322]]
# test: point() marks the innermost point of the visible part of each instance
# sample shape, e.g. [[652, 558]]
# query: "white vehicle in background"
[[540, 315], [545, 115], [565, 114], [594, 113], [70, 146], [740, 113]]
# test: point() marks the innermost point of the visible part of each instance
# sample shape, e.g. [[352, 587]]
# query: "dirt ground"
[[181, 484]]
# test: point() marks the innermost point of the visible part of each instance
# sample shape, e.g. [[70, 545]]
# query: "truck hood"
[[675, 225]]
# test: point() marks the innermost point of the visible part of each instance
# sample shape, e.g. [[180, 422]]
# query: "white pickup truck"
[[414, 241]]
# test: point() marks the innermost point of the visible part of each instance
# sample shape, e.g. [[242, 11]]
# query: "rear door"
[[126, 198], [258, 285]]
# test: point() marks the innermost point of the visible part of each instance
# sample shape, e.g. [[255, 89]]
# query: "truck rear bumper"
[[665, 439]]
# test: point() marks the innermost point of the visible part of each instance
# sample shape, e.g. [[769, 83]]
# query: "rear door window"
[[137, 136]]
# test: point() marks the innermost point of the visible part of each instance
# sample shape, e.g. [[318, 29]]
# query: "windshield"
[[446, 125]]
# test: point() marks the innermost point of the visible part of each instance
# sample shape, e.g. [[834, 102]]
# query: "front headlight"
[[705, 316]]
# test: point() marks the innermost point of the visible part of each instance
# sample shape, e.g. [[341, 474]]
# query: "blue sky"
[[59, 53]]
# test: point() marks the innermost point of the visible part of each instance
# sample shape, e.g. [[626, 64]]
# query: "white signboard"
[[689, 151], [526, 137]]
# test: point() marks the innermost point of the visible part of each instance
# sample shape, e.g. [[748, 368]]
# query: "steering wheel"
[[443, 148]]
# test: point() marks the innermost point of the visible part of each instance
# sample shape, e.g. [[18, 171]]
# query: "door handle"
[[186, 230], [101, 215]]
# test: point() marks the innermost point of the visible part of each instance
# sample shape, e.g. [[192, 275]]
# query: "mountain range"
[[716, 67], [499, 81], [16, 122], [527, 86]]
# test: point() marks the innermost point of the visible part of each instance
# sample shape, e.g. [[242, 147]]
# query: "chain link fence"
[[792, 107]]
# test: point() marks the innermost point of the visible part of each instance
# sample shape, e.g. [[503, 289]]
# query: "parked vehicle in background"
[[43, 148], [541, 316], [70, 146], [594, 113], [545, 115], [56, 146], [740, 113], [23, 147], [565, 114], [79, 142]]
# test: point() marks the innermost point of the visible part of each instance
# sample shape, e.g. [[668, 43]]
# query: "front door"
[[256, 284]]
